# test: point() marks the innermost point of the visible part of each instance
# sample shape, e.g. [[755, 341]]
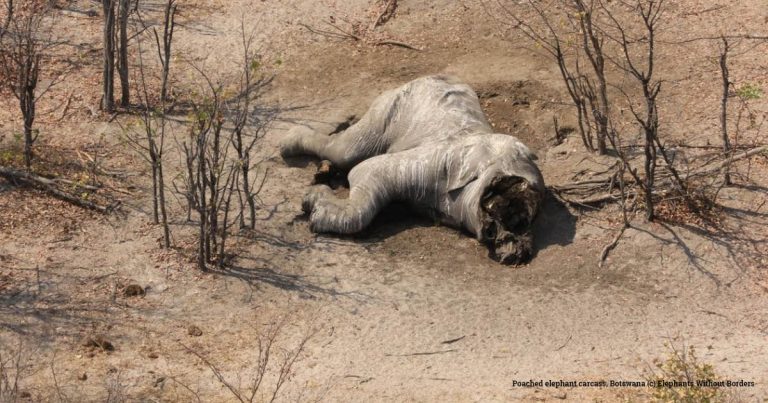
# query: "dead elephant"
[[429, 144]]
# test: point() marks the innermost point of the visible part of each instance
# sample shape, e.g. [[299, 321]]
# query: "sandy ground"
[[408, 311]]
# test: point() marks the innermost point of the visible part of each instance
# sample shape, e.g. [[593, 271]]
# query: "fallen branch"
[[73, 12], [719, 148], [66, 108], [75, 184], [325, 33], [608, 248], [451, 341], [391, 4], [587, 193], [49, 186], [424, 353], [708, 170], [345, 33], [397, 43], [586, 201], [342, 34], [565, 343]]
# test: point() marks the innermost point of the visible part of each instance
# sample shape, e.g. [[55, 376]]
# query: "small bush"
[[684, 367], [749, 92]]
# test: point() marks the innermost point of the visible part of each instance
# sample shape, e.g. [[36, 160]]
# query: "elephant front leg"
[[314, 194], [328, 213]]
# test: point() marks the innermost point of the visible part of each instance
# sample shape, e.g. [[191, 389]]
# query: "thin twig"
[[608, 248], [422, 353]]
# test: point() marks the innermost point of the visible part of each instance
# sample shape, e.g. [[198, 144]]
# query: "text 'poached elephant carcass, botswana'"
[[429, 144]]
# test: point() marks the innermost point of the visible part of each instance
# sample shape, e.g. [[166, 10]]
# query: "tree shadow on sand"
[[742, 248], [258, 271], [42, 306]]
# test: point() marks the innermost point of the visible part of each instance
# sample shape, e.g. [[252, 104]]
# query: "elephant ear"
[[465, 166], [456, 182]]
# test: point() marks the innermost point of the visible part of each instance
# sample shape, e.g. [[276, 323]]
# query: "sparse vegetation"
[[11, 373], [273, 367], [749, 92], [685, 368]]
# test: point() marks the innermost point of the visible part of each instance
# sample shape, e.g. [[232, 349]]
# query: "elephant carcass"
[[429, 144]]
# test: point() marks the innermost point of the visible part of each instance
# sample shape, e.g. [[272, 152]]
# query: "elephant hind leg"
[[347, 148], [309, 139]]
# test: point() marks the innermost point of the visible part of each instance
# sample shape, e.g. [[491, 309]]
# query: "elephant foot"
[[303, 139], [509, 206], [291, 143], [313, 196]]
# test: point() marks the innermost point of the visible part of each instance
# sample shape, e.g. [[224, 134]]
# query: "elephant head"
[[502, 196]]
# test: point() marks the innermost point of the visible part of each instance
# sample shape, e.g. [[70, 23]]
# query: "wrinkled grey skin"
[[428, 143]]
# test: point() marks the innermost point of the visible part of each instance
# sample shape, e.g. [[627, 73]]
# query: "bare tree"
[[211, 176], [8, 18], [164, 49], [554, 32], [151, 145], [224, 133], [622, 37], [248, 126], [25, 42], [595, 24], [743, 95], [650, 13], [108, 73], [592, 43], [154, 124]]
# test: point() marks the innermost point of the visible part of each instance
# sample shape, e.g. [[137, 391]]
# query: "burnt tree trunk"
[[155, 201], [125, 90], [27, 102], [164, 49], [204, 247], [724, 104], [593, 47], [8, 17], [108, 96], [650, 129], [163, 213], [249, 197]]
